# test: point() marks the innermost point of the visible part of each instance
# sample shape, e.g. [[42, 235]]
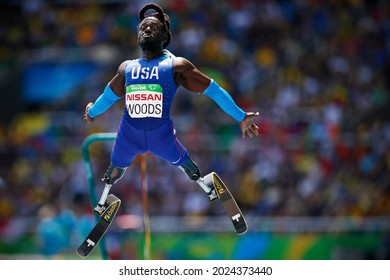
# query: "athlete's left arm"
[[187, 75], [113, 91]]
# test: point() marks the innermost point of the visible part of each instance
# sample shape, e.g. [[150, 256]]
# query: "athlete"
[[148, 86]]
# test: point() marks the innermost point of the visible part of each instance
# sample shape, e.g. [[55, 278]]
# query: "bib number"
[[144, 100]]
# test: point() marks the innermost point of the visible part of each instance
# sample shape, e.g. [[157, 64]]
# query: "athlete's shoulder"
[[182, 64], [122, 67]]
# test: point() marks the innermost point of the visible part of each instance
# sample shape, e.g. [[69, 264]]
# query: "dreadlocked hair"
[[161, 16]]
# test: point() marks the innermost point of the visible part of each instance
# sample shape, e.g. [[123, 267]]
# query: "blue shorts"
[[162, 142]]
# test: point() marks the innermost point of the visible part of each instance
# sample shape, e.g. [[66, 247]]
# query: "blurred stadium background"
[[314, 185]]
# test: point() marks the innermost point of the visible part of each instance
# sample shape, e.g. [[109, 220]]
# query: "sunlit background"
[[315, 184]]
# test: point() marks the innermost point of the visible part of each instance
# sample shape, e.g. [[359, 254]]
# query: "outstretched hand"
[[248, 125], [86, 116]]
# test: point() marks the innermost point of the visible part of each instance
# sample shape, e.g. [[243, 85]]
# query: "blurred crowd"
[[317, 71]]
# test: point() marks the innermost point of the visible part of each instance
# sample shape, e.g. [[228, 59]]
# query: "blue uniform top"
[[150, 90], [146, 123]]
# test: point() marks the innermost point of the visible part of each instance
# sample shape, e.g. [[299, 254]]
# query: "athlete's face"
[[150, 33]]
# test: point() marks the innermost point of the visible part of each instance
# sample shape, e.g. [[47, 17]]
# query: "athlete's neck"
[[151, 54]]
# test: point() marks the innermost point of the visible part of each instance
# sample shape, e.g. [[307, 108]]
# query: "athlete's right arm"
[[113, 91]]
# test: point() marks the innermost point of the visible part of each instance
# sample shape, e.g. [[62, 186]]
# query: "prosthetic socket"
[[193, 173], [112, 175]]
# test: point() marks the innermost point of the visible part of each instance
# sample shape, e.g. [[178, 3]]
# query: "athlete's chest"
[[150, 88], [146, 71]]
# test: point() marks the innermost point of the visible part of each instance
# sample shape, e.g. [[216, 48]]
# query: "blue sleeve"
[[104, 101], [225, 101]]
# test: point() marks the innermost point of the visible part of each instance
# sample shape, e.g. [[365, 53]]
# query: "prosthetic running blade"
[[112, 205], [228, 201]]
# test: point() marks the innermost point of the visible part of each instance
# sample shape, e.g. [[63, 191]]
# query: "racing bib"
[[144, 100]]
